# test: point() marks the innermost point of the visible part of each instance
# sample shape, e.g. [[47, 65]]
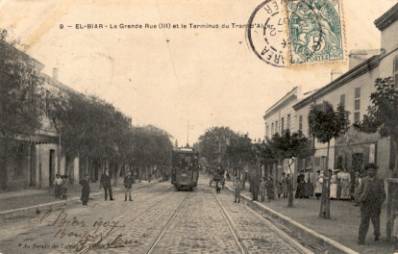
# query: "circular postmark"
[[267, 33], [284, 32]]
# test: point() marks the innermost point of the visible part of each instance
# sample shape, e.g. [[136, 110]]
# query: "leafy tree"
[[213, 144], [20, 99], [382, 115], [287, 146], [239, 150], [326, 124], [90, 128], [152, 147]]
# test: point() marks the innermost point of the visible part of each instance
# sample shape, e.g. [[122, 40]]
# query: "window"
[[300, 123], [276, 127], [395, 71], [357, 92], [342, 100], [288, 122], [282, 125], [357, 105], [272, 129], [357, 117], [266, 130]]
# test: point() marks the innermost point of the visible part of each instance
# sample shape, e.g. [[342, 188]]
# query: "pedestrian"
[[270, 189], [237, 185], [149, 177], [318, 185], [105, 182], [85, 192], [57, 185], [263, 189], [357, 185], [128, 184], [218, 187], [300, 186], [371, 196], [63, 187], [254, 186]]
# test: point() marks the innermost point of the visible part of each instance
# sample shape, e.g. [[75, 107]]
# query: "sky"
[[176, 79]]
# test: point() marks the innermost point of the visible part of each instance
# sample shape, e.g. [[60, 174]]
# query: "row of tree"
[[88, 127]]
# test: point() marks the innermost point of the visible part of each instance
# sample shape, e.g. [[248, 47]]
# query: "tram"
[[185, 169]]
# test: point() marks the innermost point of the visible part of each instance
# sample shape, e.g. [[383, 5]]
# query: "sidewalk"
[[342, 227], [32, 197]]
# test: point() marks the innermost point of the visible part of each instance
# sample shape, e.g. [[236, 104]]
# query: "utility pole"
[[188, 128]]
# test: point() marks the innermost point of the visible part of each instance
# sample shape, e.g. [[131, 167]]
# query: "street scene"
[[159, 220], [199, 127]]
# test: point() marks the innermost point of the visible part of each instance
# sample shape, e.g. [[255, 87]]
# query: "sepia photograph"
[[199, 127]]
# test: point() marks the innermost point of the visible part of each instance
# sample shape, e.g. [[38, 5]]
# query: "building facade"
[[352, 90], [33, 161]]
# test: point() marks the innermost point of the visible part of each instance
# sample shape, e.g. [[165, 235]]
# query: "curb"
[[301, 233], [31, 211]]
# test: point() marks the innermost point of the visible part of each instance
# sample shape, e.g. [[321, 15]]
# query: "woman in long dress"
[[318, 185], [333, 186], [345, 183]]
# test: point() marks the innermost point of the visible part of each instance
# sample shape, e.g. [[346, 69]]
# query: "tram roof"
[[183, 150]]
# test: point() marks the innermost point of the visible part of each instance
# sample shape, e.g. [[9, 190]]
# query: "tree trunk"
[[290, 188], [324, 211], [4, 165], [394, 141]]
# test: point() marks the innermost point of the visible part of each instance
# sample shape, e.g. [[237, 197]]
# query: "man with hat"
[[371, 196]]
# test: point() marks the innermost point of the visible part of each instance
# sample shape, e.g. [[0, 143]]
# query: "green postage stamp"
[[294, 32], [315, 31]]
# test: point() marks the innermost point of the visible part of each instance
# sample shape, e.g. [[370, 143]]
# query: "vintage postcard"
[[208, 126]]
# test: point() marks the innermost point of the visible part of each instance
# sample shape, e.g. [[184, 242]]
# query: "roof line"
[[358, 70], [387, 18], [277, 103]]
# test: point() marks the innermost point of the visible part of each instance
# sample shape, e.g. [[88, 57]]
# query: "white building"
[[353, 89]]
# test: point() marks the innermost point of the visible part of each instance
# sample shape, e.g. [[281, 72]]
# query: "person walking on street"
[[254, 186], [263, 189], [128, 184], [85, 193], [105, 182], [57, 185], [371, 196], [237, 185]]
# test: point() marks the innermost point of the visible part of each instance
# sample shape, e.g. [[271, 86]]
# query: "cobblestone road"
[[159, 220]]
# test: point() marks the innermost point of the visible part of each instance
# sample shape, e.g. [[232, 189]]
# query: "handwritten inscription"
[[73, 233]]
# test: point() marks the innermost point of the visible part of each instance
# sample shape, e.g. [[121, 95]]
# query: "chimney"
[[334, 75], [358, 56], [55, 73]]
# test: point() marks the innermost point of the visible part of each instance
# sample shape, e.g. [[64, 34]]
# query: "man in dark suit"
[[371, 196], [105, 182]]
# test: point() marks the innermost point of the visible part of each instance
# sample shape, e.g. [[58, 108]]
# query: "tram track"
[[166, 226], [231, 226], [138, 216]]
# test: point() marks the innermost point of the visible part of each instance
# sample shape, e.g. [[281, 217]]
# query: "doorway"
[[51, 167]]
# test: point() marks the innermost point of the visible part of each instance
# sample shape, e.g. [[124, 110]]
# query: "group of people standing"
[[105, 183], [266, 189]]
